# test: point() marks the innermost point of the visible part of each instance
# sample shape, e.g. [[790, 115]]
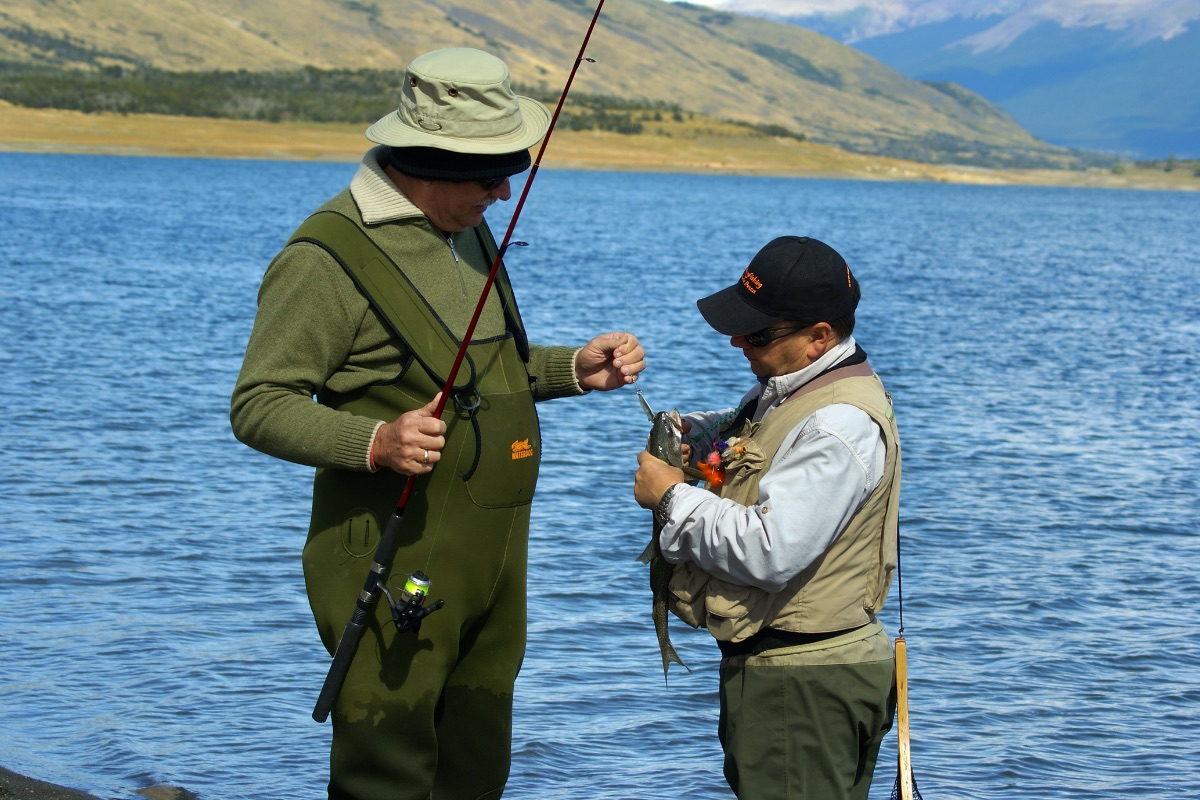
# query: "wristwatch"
[[661, 517]]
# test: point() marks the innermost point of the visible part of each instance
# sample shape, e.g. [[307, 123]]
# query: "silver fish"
[[665, 443]]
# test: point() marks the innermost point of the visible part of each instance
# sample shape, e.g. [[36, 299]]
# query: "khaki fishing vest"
[[847, 585]]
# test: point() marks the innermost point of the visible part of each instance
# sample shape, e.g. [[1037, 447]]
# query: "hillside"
[[1086, 87], [1093, 74], [697, 145], [720, 65]]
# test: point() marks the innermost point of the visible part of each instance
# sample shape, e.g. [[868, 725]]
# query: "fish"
[[665, 443]]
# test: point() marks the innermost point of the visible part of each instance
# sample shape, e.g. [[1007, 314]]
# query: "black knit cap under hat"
[[793, 279], [435, 164]]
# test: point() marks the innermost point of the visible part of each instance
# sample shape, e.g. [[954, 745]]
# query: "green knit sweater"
[[314, 329]]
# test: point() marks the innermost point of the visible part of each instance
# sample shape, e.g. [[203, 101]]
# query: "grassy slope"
[[699, 145], [720, 65]]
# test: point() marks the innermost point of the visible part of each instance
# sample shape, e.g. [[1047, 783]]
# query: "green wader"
[[807, 722], [430, 714]]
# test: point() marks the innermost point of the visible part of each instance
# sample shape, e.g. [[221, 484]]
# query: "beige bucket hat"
[[459, 99]]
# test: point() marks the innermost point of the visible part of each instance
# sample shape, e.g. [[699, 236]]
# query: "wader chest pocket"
[[509, 453]]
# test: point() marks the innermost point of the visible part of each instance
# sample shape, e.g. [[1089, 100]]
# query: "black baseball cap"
[[793, 278]]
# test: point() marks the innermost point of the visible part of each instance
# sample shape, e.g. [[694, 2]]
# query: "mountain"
[[719, 64], [1117, 75]]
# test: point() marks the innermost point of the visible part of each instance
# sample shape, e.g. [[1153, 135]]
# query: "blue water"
[[1041, 345]]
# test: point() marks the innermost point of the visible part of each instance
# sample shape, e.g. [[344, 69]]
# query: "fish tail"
[[665, 648], [669, 656], [660, 576]]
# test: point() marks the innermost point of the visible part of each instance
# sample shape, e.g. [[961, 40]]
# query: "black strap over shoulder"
[[504, 290], [855, 366]]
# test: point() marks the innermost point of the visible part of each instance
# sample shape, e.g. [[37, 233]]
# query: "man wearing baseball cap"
[[364, 311], [788, 561]]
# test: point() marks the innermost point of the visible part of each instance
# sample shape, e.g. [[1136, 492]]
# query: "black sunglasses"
[[768, 335], [492, 183]]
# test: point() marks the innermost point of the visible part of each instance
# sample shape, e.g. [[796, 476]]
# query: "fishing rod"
[[411, 613]]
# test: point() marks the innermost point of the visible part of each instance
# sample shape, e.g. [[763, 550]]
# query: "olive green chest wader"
[[430, 713]]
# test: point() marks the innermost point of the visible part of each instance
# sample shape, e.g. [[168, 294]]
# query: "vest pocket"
[[735, 612], [688, 587]]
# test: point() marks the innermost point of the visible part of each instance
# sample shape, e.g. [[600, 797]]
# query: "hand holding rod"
[[385, 551]]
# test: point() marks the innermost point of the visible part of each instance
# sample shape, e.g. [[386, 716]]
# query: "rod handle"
[[368, 598]]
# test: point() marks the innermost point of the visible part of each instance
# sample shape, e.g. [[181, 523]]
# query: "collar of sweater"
[[377, 198]]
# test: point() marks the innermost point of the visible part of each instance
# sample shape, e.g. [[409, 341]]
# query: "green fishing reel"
[[409, 609]]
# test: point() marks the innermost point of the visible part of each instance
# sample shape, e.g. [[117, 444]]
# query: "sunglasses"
[[768, 335], [492, 183]]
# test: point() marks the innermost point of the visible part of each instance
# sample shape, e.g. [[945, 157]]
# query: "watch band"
[[661, 517]]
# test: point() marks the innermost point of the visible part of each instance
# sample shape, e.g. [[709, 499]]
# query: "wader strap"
[[396, 300], [508, 301]]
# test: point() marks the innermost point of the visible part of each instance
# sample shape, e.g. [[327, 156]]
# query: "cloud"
[[862, 19]]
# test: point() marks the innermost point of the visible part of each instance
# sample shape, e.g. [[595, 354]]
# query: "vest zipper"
[[453, 252]]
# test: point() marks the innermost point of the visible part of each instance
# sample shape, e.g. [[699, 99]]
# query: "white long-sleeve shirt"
[[822, 474]]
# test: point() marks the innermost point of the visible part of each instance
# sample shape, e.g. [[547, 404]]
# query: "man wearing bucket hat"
[[364, 310], [788, 561]]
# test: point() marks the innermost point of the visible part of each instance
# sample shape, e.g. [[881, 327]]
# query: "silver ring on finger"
[[425, 458]]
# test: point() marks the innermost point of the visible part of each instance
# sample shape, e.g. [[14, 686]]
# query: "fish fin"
[[651, 550], [647, 554]]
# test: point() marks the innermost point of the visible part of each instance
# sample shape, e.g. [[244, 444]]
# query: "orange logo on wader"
[[521, 449]]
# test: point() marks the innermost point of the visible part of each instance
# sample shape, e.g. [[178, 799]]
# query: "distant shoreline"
[[57, 131]]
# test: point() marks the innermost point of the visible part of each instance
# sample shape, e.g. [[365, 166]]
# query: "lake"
[[1042, 346]]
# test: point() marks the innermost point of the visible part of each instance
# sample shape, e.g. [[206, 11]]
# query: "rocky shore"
[[18, 787]]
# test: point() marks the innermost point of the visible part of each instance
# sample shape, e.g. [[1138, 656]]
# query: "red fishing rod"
[[385, 551]]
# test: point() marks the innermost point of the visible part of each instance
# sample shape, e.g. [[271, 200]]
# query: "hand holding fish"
[[609, 361], [652, 479], [412, 443], [660, 466]]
